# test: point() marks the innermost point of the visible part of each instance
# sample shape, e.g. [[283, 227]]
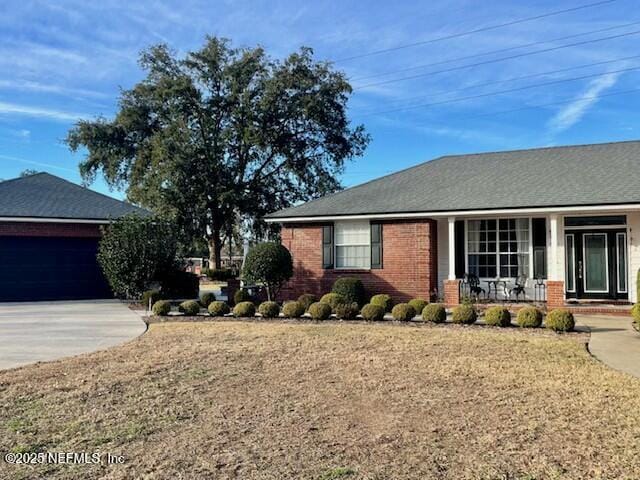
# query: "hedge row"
[[559, 320]]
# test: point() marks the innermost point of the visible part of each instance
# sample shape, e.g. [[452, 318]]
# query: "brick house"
[[49, 233], [558, 224]]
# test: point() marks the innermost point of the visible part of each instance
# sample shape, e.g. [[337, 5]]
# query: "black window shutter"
[[459, 244], [327, 246], [376, 245], [539, 236]]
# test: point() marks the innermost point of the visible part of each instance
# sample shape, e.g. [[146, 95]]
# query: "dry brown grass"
[[327, 401]]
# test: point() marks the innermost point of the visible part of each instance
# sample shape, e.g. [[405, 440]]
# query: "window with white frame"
[[353, 244], [498, 247]]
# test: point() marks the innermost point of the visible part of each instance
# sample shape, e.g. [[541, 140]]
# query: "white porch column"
[[452, 248], [554, 271]]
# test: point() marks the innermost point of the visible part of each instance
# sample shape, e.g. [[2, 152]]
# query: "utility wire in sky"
[[502, 92], [477, 30], [497, 60], [508, 80], [492, 52]]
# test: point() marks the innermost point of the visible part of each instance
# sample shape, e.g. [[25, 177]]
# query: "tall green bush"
[[351, 289], [134, 252], [268, 264]]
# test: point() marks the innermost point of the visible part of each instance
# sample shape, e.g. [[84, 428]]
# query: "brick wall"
[[451, 292], [555, 294], [409, 261], [32, 229]]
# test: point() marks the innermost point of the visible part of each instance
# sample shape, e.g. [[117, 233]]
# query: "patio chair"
[[473, 284], [518, 290]]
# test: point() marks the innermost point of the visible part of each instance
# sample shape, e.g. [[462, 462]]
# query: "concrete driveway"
[[43, 331]]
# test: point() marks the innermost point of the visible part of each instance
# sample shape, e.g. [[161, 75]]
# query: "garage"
[[57, 268], [49, 234]]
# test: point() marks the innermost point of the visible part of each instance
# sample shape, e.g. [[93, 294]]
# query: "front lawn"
[[326, 401]]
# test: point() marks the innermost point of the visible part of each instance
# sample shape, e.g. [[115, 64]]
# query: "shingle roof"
[[43, 195], [597, 174]]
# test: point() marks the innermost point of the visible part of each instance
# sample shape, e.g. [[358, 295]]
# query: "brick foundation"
[[43, 229], [409, 261], [452, 292], [555, 294]]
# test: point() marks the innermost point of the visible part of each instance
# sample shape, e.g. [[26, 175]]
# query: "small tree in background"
[[269, 264], [135, 251]]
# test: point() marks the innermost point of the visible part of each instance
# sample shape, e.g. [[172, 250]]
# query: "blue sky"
[[61, 61]]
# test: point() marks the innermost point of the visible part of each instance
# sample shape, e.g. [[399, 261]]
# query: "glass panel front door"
[[596, 269], [596, 264]]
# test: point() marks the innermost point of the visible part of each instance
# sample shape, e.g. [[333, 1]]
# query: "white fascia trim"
[[52, 220], [461, 213]]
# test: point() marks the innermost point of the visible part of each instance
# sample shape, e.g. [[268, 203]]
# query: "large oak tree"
[[223, 133]]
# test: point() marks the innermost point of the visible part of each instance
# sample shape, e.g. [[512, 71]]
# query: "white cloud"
[[572, 113], [40, 112], [30, 86]]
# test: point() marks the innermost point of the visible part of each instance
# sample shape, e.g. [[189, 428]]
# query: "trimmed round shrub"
[[218, 309], [635, 310], [306, 300], [464, 314], [206, 299], [383, 300], [269, 309], [150, 297], [242, 295], [320, 311], [351, 290], [403, 312], [268, 264], [293, 309], [347, 311], [560, 320], [189, 308], [529, 317], [418, 304], [434, 312], [497, 317], [372, 312], [244, 309], [333, 300], [161, 308]]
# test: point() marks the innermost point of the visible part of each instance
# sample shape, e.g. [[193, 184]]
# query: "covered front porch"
[[584, 259]]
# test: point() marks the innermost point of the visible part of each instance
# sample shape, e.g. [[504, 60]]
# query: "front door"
[[596, 264]]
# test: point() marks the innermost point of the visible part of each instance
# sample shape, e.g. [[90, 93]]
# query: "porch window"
[[498, 246], [353, 244]]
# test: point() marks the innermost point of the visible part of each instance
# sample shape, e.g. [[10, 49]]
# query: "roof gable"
[[599, 174], [43, 195]]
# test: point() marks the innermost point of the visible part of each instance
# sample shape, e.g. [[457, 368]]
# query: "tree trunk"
[[215, 250]]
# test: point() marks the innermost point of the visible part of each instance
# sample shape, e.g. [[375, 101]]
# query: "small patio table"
[[495, 284]]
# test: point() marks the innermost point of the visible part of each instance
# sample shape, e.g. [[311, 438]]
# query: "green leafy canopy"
[[224, 133], [135, 251]]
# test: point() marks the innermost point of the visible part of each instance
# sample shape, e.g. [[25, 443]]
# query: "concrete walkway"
[[614, 342], [43, 331]]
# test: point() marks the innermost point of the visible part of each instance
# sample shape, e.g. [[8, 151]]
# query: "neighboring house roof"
[[599, 174], [43, 195]]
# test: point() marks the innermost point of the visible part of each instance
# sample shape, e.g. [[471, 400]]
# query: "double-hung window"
[[353, 244], [498, 247]]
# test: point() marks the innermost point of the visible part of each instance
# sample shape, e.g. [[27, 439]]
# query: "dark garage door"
[[50, 268]]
